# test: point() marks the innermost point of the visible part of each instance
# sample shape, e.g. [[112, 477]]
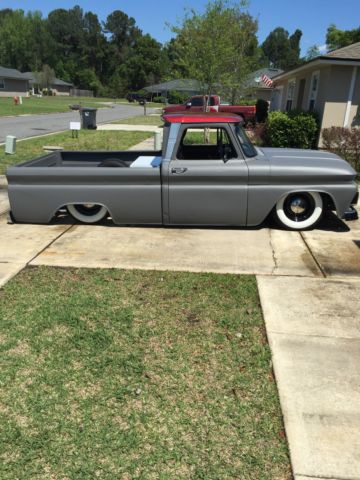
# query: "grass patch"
[[34, 105], [142, 120], [136, 375], [87, 140]]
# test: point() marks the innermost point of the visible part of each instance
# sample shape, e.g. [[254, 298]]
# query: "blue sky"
[[311, 16]]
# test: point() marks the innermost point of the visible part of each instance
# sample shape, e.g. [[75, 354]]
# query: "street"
[[33, 125]]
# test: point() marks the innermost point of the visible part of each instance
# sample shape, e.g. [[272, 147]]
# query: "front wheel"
[[87, 212], [300, 210]]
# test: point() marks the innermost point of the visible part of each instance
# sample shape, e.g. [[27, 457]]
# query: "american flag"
[[266, 80]]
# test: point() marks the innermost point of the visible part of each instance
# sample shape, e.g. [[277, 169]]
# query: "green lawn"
[[34, 105], [88, 140], [142, 120], [117, 374]]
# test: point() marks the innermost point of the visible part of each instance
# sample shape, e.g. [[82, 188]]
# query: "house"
[[191, 87], [328, 84], [13, 83], [59, 87], [256, 86]]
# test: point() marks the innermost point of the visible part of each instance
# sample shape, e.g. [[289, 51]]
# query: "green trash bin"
[[88, 118]]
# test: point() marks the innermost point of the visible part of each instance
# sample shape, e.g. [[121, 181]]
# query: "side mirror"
[[188, 105]]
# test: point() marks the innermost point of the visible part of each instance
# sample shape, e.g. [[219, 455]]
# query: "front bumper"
[[351, 213]]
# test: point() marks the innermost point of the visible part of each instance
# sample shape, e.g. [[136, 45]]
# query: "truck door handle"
[[178, 170]]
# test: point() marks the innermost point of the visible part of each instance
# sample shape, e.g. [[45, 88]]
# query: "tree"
[[79, 48], [281, 50], [336, 38], [46, 77], [217, 48], [312, 52]]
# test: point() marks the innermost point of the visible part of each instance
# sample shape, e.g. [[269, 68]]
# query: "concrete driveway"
[[25, 126], [309, 285]]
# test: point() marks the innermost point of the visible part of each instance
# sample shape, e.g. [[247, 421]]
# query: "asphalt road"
[[33, 125]]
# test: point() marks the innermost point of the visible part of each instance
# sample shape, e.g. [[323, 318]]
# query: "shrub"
[[175, 97], [345, 142], [159, 99], [258, 134], [278, 129], [294, 130], [262, 107], [246, 102]]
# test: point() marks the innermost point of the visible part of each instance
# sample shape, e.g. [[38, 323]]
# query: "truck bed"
[[85, 159], [40, 187]]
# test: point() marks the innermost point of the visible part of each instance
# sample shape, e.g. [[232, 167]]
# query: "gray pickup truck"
[[208, 173]]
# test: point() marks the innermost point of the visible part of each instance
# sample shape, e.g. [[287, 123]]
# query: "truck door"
[[207, 178]]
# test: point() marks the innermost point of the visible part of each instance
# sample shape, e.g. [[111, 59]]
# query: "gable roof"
[[254, 79], [12, 73], [349, 55], [57, 81], [181, 85], [351, 52]]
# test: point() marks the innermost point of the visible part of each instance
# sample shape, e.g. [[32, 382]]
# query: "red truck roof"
[[202, 117]]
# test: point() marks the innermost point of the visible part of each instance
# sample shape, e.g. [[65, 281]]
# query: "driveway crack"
[[273, 254], [49, 244], [312, 255]]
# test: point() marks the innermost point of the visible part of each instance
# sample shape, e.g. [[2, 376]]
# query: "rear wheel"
[[87, 212], [299, 211]]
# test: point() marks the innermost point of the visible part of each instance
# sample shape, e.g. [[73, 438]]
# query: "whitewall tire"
[[300, 210], [87, 212]]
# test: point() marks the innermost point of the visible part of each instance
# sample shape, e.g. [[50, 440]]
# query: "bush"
[[258, 134], [345, 142], [175, 97], [262, 108], [292, 130], [159, 99], [47, 92]]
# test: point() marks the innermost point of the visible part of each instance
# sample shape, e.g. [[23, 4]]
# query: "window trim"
[[288, 99], [315, 73], [2, 85], [229, 131]]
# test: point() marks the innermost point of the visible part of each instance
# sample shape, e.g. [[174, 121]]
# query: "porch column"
[[350, 96]]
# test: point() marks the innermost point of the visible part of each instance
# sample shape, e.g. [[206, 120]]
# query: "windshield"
[[246, 145]]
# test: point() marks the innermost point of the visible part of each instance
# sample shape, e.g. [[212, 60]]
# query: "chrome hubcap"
[[298, 206]]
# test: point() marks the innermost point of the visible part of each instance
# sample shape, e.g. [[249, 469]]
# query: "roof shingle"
[[351, 52]]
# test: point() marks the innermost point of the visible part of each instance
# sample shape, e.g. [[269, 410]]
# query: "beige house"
[[329, 85], [13, 83], [58, 86]]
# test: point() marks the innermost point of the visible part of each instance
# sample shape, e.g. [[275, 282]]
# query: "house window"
[[290, 95], [314, 87], [2, 83]]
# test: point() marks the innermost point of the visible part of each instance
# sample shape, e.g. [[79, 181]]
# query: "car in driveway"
[[207, 173], [197, 104]]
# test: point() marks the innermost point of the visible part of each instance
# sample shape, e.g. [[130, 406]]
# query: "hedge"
[[345, 142], [292, 130]]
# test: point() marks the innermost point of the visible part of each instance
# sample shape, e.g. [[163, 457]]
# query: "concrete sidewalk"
[[128, 128], [314, 335]]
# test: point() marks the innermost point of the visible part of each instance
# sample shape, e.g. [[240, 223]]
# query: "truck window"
[[206, 144], [197, 102], [244, 140]]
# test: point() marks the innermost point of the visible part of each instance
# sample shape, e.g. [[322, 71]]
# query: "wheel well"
[[329, 203]]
